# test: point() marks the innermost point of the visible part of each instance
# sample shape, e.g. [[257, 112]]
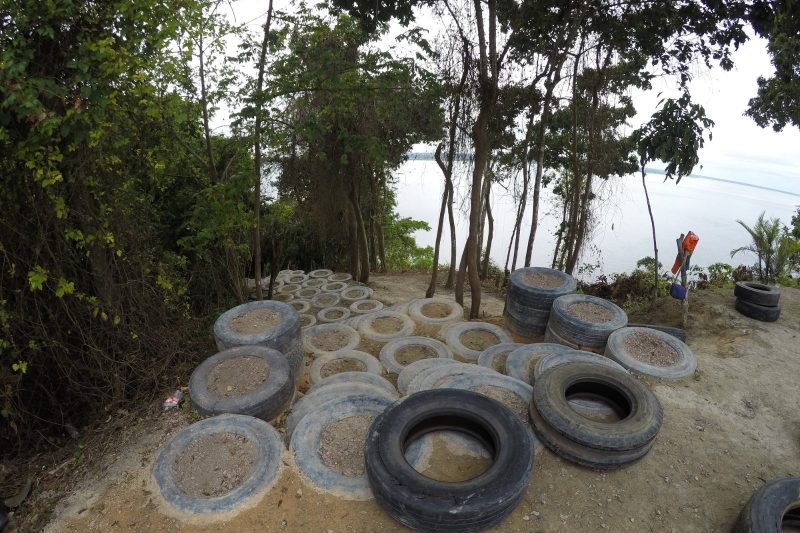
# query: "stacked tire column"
[[531, 293]]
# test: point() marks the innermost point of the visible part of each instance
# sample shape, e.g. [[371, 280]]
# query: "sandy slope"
[[726, 431]]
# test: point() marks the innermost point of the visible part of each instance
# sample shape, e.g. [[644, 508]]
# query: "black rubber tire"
[[264, 472], [280, 338], [266, 402], [678, 333], [636, 430], [757, 293], [527, 315], [758, 312], [537, 297], [775, 504], [617, 349], [3, 516], [429, 505], [578, 454], [521, 329], [581, 332]]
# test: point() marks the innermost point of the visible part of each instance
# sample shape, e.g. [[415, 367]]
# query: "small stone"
[[700, 428], [696, 478], [632, 520], [536, 513], [283, 524], [526, 518], [299, 493]]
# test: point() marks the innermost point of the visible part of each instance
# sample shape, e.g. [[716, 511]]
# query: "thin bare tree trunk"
[[462, 271], [361, 236], [212, 167], [439, 228], [451, 273], [262, 59], [490, 234], [655, 242]]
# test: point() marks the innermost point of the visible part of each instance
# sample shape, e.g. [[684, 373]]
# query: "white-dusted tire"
[[417, 311], [306, 321], [307, 439], [369, 363], [367, 326], [282, 297], [416, 368], [333, 314], [301, 306], [320, 273], [495, 356], [388, 354], [314, 283], [346, 338], [583, 332], [340, 276], [573, 356], [453, 337], [306, 293], [264, 471], [279, 337], [296, 279], [355, 377], [362, 307], [325, 299], [355, 293], [521, 363], [289, 288], [334, 286], [313, 401], [684, 366], [439, 377]]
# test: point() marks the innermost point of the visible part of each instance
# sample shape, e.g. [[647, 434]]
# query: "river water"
[[620, 233]]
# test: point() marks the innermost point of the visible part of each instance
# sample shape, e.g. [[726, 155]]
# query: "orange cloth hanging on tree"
[[689, 244]]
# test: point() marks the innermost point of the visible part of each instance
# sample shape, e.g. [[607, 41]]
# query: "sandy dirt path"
[[727, 430]]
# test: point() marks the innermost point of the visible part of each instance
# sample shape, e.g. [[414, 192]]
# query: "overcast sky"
[[740, 150]]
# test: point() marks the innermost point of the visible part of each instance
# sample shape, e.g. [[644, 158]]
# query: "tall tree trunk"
[[361, 236], [523, 199], [655, 242], [574, 204], [451, 273], [212, 167], [435, 267], [490, 235], [462, 272], [352, 231], [552, 81], [262, 59]]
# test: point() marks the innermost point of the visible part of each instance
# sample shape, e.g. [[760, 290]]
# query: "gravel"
[[237, 376], [649, 349], [479, 340], [255, 321], [435, 310], [338, 366], [507, 398], [214, 465], [387, 325], [590, 312], [330, 341], [543, 280], [342, 445], [410, 354]]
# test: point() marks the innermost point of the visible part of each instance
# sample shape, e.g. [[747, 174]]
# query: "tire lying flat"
[[595, 443], [757, 293], [618, 350], [584, 333], [267, 401], [429, 505], [773, 507], [758, 312], [280, 337]]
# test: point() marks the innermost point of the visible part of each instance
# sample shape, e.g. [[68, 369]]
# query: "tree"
[[673, 135], [772, 244], [777, 102]]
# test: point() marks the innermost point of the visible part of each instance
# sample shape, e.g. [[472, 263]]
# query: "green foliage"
[[402, 252], [772, 244], [720, 274]]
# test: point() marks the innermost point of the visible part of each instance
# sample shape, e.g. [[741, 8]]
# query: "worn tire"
[[307, 437], [325, 299], [300, 306], [314, 283], [289, 288], [340, 276], [355, 377], [678, 333], [312, 402], [757, 293], [416, 308], [582, 332], [362, 307], [371, 365], [636, 430], [306, 321], [439, 376], [527, 315], [334, 286], [521, 363], [365, 326], [416, 368], [280, 337], [324, 315], [429, 505], [617, 350], [523, 293], [522, 329], [266, 402], [264, 472], [773, 507], [758, 312], [495, 356], [388, 354], [282, 297], [351, 336], [573, 356], [306, 293], [320, 273], [355, 293], [454, 333]]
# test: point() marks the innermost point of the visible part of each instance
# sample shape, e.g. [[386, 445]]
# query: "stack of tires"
[[584, 322], [758, 301], [531, 293], [283, 337]]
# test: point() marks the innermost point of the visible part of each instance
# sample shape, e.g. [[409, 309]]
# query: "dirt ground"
[[726, 431]]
